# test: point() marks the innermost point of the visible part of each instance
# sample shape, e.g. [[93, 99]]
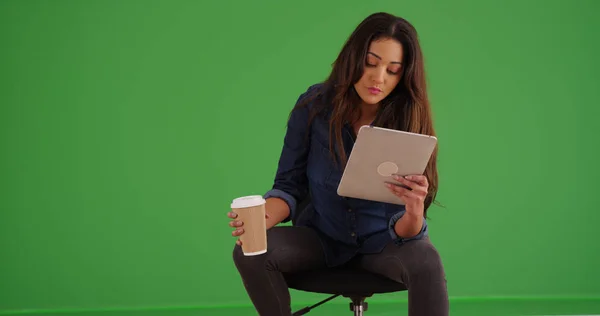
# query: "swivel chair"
[[353, 283]]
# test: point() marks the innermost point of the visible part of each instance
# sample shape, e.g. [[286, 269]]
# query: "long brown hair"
[[406, 108]]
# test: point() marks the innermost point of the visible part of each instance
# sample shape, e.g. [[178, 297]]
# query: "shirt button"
[[353, 234], [349, 210]]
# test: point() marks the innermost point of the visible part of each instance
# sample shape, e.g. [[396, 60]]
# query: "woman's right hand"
[[238, 225]]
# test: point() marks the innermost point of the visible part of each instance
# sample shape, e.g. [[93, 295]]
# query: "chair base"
[[308, 308], [358, 305]]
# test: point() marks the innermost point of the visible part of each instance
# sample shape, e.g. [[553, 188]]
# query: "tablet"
[[379, 153]]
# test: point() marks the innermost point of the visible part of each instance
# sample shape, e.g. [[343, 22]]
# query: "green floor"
[[339, 306]]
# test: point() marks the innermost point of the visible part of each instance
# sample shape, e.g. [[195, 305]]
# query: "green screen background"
[[127, 127]]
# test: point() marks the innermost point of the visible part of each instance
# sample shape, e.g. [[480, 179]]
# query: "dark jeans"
[[416, 264]]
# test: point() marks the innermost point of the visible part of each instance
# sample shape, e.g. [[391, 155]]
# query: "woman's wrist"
[[409, 225], [278, 210]]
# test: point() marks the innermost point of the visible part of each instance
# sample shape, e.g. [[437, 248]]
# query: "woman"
[[378, 78]]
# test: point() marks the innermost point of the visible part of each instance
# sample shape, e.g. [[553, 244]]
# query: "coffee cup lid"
[[247, 201]]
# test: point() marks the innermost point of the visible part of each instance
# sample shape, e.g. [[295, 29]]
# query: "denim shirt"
[[346, 226]]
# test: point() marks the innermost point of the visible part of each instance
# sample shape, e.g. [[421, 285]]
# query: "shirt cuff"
[[288, 198], [399, 240]]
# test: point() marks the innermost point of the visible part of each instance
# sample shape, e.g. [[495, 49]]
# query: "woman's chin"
[[371, 100]]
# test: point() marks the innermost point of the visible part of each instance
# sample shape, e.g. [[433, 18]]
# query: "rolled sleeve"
[[288, 198], [399, 240]]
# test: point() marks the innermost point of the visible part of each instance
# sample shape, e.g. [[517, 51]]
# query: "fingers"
[[417, 182], [237, 232], [237, 223], [419, 179], [396, 189], [405, 193]]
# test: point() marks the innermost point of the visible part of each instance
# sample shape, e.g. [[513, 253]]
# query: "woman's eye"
[[394, 70]]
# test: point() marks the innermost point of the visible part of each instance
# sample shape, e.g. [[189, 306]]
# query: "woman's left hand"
[[414, 197]]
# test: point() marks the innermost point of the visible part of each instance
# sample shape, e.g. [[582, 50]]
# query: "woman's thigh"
[[413, 260], [289, 249]]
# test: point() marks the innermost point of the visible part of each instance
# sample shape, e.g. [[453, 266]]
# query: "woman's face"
[[382, 71]]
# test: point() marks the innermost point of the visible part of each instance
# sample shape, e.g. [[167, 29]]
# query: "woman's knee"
[[269, 260], [425, 260]]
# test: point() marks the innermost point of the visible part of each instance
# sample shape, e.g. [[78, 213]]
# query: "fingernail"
[[388, 185], [408, 177]]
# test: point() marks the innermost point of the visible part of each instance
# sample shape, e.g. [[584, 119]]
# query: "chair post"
[[358, 305]]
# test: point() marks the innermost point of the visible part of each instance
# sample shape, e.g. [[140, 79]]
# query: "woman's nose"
[[377, 76]]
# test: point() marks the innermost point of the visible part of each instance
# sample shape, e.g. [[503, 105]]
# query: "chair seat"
[[343, 281]]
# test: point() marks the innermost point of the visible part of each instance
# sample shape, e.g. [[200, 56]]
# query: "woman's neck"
[[368, 112]]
